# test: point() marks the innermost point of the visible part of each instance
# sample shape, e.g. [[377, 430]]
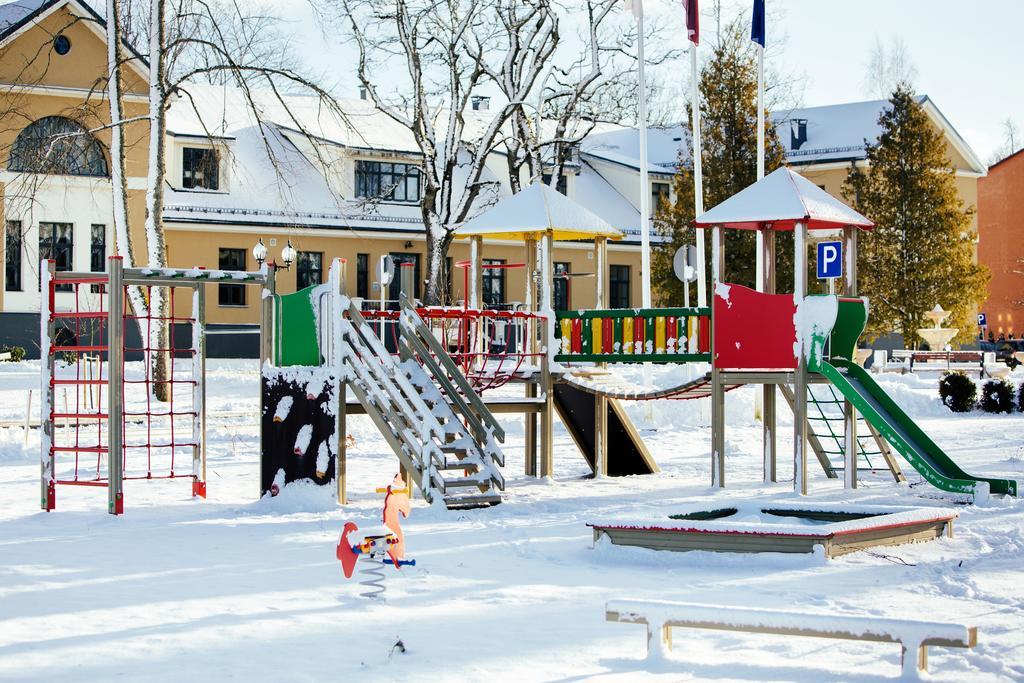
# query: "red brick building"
[[1001, 243]]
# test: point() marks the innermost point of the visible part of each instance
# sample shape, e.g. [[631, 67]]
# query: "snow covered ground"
[[235, 588]]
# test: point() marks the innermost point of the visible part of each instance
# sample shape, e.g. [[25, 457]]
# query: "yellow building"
[[290, 170], [54, 172]]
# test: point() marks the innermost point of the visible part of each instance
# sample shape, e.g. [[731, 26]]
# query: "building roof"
[[622, 147], [834, 133], [1018, 153], [276, 175], [16, 14]]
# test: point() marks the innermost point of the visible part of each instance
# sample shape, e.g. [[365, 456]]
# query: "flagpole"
[[645, 187], [698, 180], [760, 159], [759, 265]]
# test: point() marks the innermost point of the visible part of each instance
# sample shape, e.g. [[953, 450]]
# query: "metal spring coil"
[[371, 570]]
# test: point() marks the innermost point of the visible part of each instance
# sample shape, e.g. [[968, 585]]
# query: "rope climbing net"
[[123, 386]]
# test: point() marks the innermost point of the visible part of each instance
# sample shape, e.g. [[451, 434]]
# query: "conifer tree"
[[728, 87], [921, 252]]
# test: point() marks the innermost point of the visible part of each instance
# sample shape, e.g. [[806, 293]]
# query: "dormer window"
[[387, 181], [200, 168]]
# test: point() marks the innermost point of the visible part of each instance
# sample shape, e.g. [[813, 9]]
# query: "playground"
[[238, 587], [462, 493]]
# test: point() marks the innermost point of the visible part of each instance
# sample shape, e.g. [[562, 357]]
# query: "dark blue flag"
[[757, 25]]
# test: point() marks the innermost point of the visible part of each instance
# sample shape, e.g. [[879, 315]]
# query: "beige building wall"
[[68, 85]]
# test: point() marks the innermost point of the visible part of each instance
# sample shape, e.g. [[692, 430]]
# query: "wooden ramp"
[[627, 453]]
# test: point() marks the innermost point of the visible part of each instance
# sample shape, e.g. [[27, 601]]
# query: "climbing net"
[[123, 387]]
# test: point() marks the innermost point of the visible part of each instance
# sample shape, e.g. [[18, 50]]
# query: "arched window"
[[59, 146]]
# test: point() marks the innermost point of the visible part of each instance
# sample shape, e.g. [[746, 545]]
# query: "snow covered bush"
[[997, 396], [17, 352], [1020, 398], [957, 391]]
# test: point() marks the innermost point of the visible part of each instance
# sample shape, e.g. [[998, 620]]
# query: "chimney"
[[481, 103], [362, 92], [797, 133]]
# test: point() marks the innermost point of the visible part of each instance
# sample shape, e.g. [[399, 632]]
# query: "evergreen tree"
[[921, 252], [728, 87]]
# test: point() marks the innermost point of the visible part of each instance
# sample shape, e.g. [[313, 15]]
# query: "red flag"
[[692, 21]]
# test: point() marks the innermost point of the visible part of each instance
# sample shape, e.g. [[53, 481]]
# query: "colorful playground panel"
[[667, 335], [756, 527]]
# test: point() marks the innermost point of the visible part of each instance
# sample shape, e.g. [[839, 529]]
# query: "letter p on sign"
[[830, 260]]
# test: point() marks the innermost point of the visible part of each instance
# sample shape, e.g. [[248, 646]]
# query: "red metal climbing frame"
[[102, 423], [491, 347]]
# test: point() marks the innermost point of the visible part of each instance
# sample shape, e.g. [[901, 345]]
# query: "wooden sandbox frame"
[[844, 531]]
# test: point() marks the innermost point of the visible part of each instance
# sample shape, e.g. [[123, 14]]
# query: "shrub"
[[1020, 398], [17, 352], [957, 391], [996, 396]]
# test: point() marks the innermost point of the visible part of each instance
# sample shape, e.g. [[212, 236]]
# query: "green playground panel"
[[295, 335], [850, 323]]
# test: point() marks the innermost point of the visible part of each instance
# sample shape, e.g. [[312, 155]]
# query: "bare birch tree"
[[446, 51], [889, 67]]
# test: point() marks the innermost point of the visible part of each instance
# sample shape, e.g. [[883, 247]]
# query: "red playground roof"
[[779, 201]]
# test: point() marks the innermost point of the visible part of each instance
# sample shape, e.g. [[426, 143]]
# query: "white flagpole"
[[759, 238], [760, 159], [698, 180], [645, 187]]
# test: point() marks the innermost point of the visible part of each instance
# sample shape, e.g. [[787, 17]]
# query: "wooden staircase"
[[435, 423]]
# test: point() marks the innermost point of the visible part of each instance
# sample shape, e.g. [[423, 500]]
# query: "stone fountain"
[[936, 336]]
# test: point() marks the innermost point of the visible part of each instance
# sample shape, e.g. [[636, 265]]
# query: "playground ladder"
[[419, 402], [827, 433]]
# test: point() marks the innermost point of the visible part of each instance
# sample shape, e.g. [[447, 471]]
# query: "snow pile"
[[815, 316]]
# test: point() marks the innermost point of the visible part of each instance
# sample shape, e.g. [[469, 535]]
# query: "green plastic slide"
[[879, 409], [898, 429]]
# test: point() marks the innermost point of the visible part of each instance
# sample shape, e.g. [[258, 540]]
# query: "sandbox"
[[781, 527]]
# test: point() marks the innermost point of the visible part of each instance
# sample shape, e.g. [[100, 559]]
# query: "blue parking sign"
[[830, 260], [982, 320]]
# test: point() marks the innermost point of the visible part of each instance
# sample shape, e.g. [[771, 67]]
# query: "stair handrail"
[[411, 320]]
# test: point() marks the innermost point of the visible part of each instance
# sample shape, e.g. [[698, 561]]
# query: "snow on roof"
[[600, 197], [537, 209], [781, 199], [622, 147], [16, 11], [834, 132]]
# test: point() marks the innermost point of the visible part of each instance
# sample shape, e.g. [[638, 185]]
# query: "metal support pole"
[[717, 387], [407, 285], [849, 412], [199, 392], [768, 391], [547, 415], [47, 459], [267, 343], [340, 464], [115, 386], [530, 419], [476, 272], [698, 179], [601, 402], [800, 383]]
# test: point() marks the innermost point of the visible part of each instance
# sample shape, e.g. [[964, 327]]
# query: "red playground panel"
[[753, 331]]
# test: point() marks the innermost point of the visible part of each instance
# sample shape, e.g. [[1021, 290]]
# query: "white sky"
[[968, 56]]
